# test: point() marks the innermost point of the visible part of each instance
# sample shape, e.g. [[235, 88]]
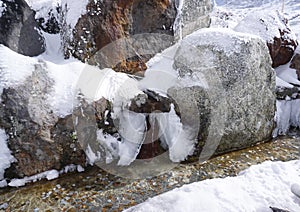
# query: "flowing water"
[[95, 190]]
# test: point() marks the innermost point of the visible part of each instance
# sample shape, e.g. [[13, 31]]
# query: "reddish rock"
[[295, 64], [107, 21], [282, 49]]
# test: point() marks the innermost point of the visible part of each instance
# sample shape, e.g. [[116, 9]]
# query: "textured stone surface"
[[19, 29], [194, 15], [295, 64], [108, 21], [273, 28], [235, 71], [38, 139]]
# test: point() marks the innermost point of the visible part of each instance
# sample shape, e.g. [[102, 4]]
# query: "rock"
[[283, 93], [38, 138], [274, 29], [51, 23], [228, 76], [193, 15], [107, 21], [19, 29], [295, 64]]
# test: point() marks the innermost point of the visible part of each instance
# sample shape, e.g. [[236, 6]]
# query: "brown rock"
[[295, 64], [107, 21], [282, 49]]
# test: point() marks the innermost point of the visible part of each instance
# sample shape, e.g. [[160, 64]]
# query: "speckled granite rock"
[[235, 72]]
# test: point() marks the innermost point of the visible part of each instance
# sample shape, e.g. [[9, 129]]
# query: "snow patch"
[[255, 189], [75, 9], [265, 24], [2, 8], [5, 155], [216, 37]]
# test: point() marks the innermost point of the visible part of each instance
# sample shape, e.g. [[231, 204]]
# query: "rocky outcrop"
[[108, 21], [38, 138], [295, 64], [193, 15], [234, 72], [274, 29], [19, 29]]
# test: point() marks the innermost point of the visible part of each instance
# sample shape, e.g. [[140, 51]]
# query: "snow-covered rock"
[[234, 70], [19, 29], [35, 112], [273, 28]]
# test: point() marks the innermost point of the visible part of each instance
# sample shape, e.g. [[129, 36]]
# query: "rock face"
[[38, 139], [274, 29], [19, 30], [108, 21], [234, 72], [193, 15], [295, 64]]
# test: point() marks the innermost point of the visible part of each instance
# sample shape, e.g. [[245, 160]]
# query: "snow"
[[75, 9], [53, 174], [15, 68], [49, 175], [5, 156], [210, 36], [287, 74], [228, 13], [255, 189], [282, 83], [174, 135], [91, 156], [2, 8], [177, 26], [262, 23]]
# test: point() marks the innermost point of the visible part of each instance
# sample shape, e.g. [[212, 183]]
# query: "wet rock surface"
[[19, 29], [96, 190]]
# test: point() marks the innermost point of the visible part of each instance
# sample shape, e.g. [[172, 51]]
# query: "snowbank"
[[255, 189]]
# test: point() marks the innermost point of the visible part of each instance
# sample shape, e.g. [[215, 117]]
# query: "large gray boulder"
[[228, 76], [19, 29]]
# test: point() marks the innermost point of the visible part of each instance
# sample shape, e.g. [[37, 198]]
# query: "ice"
[[91, 156], [288, 114], [174, 135], [53, 174], [49, 175], [5, 154], [132, 129]]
